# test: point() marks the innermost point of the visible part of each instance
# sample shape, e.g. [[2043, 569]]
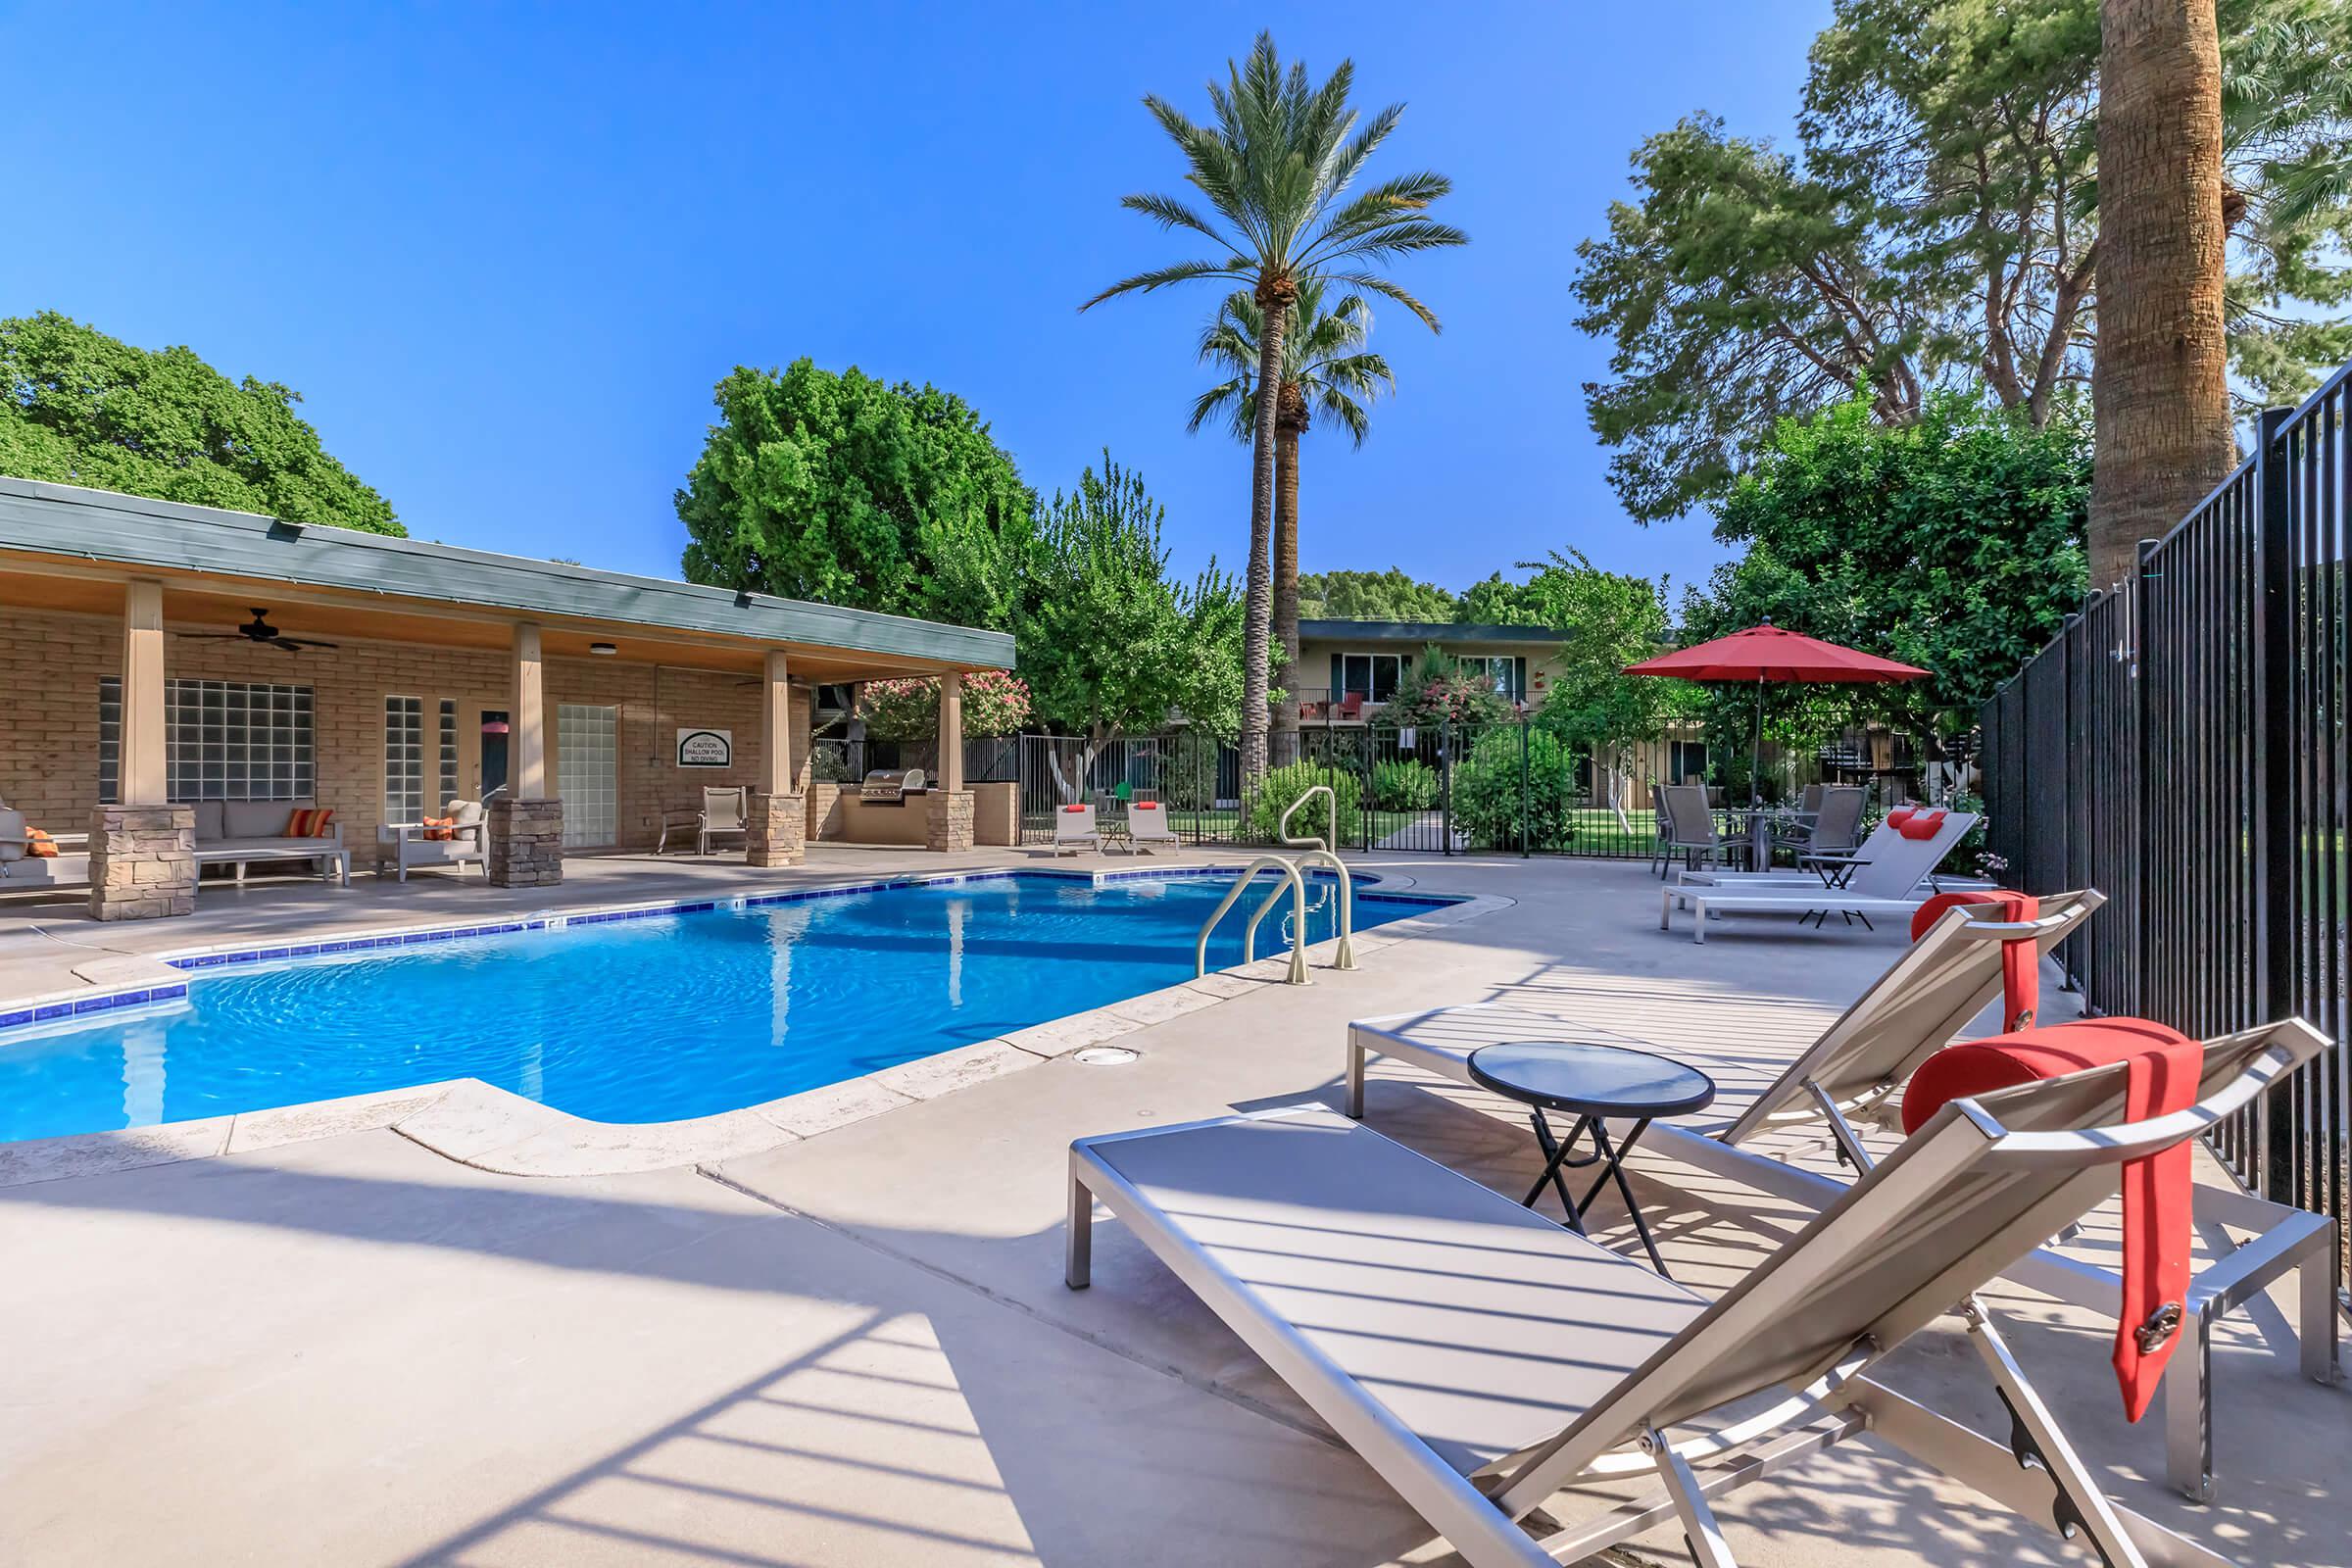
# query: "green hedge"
[[1408, 785], [1284, 785], [1494, 792]]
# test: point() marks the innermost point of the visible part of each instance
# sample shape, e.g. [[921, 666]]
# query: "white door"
[[587, 767]]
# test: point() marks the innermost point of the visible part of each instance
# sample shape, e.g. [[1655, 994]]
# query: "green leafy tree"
[[1111, 646], [1390, 595], [1326, 370], [1936, 227], [1953, 543], [1277, 168], [841, 489], [77, 407], [1609, 621]]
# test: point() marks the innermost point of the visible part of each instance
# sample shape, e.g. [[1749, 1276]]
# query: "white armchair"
[[724, 812], [406, 844]]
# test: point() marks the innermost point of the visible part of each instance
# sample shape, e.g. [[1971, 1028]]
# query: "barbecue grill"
[[890, 785]]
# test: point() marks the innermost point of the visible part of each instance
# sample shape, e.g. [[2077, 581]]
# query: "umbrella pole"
[[1755, 754]]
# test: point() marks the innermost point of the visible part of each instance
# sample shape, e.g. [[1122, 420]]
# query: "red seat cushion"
[[2021, 957], [1918, 824], [2164, 1066]]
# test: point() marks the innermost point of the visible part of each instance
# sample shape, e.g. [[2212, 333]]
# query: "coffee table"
[[1593, 1083]]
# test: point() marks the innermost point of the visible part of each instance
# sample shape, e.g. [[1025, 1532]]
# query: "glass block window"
[[223, 740], [587, 755], [404, 759], [449, 750]]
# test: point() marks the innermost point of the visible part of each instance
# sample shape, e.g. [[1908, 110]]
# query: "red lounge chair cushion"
[[1901, 814], [1074, 809], [1918, 824], [2021, 957], [1146, 805], [2164, 1066]]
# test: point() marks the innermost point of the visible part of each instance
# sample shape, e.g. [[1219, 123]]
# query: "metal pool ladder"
[[1320, 852], [1290, 881]]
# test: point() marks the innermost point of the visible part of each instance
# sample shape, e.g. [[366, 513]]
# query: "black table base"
[[1611, 1157]]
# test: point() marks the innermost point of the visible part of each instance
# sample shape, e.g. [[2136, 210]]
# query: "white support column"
[[142, 848], [775, 727], [950, 732], [142, 757], [777, 828], [530, 718]]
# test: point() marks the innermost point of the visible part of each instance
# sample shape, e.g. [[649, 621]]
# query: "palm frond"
[[1372, 282], [1169, 212], [1160, 277]]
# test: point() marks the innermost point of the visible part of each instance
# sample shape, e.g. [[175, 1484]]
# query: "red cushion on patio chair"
[[1073, 807], [2021, 957], [2164, 1066], [1901, 814], [1918, 824]]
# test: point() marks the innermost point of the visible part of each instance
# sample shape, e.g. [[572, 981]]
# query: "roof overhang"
[[317, 578], [1420, 632]]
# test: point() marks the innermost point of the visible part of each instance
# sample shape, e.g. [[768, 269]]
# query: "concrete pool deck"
[[855, 1349]]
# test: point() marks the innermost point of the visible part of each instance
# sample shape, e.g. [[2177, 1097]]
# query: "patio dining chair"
[[1830, 822], [725, 811], [1847, 1083], [1482, 1358], [1691, 827], [1661, 851]]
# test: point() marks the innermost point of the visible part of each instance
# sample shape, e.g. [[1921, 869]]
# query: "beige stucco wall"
[[50, 666], [1313, 670]]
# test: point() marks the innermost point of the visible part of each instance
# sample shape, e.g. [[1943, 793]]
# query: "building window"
[[1505, 672], [1688, 759], [404, 759], [1373, 676], [223, 740], [449, 750], [587, 757]]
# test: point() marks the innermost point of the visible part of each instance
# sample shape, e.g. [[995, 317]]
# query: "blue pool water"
[[641, 1020]]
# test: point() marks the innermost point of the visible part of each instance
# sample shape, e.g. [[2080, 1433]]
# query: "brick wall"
[[50, 667]]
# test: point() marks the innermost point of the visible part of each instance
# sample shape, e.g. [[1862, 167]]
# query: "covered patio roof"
[[64, 548]]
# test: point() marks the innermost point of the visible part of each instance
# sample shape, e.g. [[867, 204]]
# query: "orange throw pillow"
[[310, 822], [39, 845], [440, 827]]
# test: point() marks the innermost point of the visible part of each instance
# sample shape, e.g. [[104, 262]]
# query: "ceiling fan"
[[259, 630]]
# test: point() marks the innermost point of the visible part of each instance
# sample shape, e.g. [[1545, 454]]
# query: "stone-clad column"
[[949, 828], [143, 849], [526, 823], [776, 821]]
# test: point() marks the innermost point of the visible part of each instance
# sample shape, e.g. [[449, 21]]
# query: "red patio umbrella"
[[1767, 653]]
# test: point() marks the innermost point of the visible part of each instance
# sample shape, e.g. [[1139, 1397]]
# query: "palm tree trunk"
[[1257, 608], [1286, 573], [2159, 382]]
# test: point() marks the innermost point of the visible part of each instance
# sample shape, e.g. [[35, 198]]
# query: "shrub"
[[995, 703], [1407, 785], [1188, 774], [1496, 789], [1282, 786]]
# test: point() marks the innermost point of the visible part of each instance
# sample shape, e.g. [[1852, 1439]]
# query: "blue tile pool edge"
[[50, 1007]]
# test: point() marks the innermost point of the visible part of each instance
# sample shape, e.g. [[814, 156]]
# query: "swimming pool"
[[646, 1018]]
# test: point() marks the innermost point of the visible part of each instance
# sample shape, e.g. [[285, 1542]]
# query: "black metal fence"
[[2181, 746], [1504, 788]]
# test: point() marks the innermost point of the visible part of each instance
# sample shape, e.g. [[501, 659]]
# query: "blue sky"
[[504, 252]]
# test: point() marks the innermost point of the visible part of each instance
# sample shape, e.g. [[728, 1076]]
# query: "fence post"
[[2143, 779], [1527, 810], [1446, 784], [2273, 781]]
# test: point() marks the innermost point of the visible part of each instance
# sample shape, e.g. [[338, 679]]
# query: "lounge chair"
[[1852, 1076], [1481, 1357], [22, 870], [1148, 828], [1889, 883], [723, 812], [1074, 830]]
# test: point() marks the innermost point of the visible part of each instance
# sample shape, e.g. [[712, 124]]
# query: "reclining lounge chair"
[[1481, 1357], [1852, 1077], [1889, 883]]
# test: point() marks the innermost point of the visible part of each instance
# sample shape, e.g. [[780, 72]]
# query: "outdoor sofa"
[[23, 871], [239, 833]]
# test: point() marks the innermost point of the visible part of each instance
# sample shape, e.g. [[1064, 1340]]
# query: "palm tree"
[[2160, 374], [1324, 368], [1275, 168]]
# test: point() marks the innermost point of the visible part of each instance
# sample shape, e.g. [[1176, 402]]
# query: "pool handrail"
[[1288, 878], [1345, 958], [1326, 843]]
